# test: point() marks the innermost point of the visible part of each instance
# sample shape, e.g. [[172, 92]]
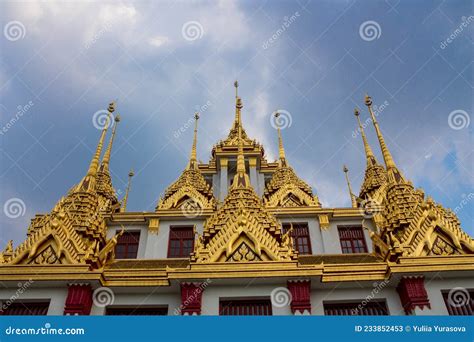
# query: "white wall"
[[55, 295]]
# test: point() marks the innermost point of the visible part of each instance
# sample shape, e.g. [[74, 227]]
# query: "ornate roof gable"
[[242, 230], [285, 188], [410, 225], [190, 186]]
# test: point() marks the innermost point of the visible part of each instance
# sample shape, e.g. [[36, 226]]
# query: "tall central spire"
[[241, 179], [281, 149], [392, 170], [193, 158], [238, 107]]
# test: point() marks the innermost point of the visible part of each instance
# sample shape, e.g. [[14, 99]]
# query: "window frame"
[[462, 310], [257, 307], [27, 306], [130, 310], [348, 243], [296, 236], [376, 307], [181, 247], [128, 254]]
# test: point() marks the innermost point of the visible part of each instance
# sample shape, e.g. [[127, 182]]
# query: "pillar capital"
[[79, 299], [412, 292], [300, 296]]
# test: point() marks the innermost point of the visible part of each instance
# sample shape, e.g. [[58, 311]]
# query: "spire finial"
[[108, 151], [193, 159], [89, 181], [125, 198], [369, 154], [238, 107], [353, 197], [236, 86], [387, 156], [281, 150]]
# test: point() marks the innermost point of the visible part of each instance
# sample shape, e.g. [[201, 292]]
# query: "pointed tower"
[[286, 189], [242, 230], [74, 232], [191, 189], [104, 181], [349, 187], [413, 225], [375, 174]]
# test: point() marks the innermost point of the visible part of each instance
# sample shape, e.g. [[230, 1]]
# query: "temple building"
[[240, 235]]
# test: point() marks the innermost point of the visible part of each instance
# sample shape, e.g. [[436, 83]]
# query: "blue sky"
[[61, 63]]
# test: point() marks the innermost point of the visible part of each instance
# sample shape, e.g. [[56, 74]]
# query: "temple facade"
[[240, 235]]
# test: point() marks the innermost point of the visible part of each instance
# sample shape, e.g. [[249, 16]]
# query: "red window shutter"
[[238, 307], [26, 309], [300, 235], [352, 239], [127, 245], [373, 308], [181, 242], [459, 302]]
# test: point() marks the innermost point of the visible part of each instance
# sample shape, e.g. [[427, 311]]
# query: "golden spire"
[[369, 154], [88, 183], [281, 149], [94, 165], [108, 151], [353, 198], [387, 156], [125, 198], [238, 106], [193, 158], [241, 179]]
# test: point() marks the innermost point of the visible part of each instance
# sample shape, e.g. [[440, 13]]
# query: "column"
[[79, 300], [300, 296], [413, 295], [223, 182], [191, 298], [253, 174]]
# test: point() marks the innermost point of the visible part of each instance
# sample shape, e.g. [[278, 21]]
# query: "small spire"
[[94, 165], [89, 181], [369, 154], [125, 198], [392, 170], [193, 158], [353, 197], [241, 179], [281, 150], [106, 159]]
